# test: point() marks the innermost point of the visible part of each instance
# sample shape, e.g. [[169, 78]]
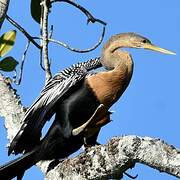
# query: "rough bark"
[[118, 155], [11, 108], [3, 9], [99, 162]]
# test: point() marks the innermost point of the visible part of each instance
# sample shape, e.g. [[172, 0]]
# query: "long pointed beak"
[[156, 48]]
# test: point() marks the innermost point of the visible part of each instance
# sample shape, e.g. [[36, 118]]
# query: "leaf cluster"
[[7, 41]]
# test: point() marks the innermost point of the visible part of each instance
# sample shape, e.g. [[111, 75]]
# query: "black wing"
[[43, 108]]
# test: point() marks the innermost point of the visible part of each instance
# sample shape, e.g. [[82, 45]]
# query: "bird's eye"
[[145, 41]]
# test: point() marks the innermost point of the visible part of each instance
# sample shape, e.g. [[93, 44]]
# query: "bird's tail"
[[18, 166]]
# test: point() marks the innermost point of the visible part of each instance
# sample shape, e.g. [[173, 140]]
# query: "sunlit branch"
[[45, 39]]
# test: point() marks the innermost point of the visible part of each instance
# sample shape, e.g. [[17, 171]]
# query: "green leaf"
[[36, 10], [6, 42], [8, 64]]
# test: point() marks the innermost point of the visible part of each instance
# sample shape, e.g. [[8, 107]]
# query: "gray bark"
[[3, 10], [11, 108], [118, 155], [99, 162]]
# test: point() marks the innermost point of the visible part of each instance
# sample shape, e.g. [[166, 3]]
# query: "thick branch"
[[120, 154], [10, 108]]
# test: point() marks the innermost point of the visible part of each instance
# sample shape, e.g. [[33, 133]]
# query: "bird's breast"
[[109, 86]]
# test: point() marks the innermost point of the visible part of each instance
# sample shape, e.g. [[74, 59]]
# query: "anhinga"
[[80, 101]]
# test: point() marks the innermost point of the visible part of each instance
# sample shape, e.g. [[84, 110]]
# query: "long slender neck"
[[111, 56]]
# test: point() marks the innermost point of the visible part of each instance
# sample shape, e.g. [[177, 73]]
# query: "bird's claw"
[[130, 176]]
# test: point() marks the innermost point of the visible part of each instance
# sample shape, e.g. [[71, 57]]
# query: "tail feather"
[[18, 166]]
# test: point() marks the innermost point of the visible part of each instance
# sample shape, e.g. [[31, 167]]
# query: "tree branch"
[[80, 50], [82, 9], [45, 39], [118, 155], [75, 49], [18, 77], [4, 4], [10, 108], [20, 28]]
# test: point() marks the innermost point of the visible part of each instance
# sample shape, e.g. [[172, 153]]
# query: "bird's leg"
[[91, 133], [20, 176], [94, 118], [53, 164], [88, 145]]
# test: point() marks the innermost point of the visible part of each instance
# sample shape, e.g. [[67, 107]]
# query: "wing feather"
[[43, 109]]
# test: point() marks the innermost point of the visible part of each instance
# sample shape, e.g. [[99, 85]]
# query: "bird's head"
[[137, 41], [111, 54], [133, 40]]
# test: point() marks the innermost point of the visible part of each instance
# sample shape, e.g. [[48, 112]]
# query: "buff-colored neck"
[[112, 57]]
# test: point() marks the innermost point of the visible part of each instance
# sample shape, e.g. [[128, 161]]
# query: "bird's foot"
[[87, 146], [130, 176], [53, 164], [99, 111]]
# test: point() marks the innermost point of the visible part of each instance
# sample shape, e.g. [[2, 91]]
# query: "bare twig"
[[41, 60], [51, 31], [18, 81], [28, 36], [45, 39], [80, 50], [75, 49], [90, 17], [45, 50], [41, 41]]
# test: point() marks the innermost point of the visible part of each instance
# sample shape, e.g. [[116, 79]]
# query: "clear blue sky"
[[150, 105]]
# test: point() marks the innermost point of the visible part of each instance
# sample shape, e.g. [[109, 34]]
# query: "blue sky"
[[150, 105]]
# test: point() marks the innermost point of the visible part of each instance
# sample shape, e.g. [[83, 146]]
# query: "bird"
[[80, 100]]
